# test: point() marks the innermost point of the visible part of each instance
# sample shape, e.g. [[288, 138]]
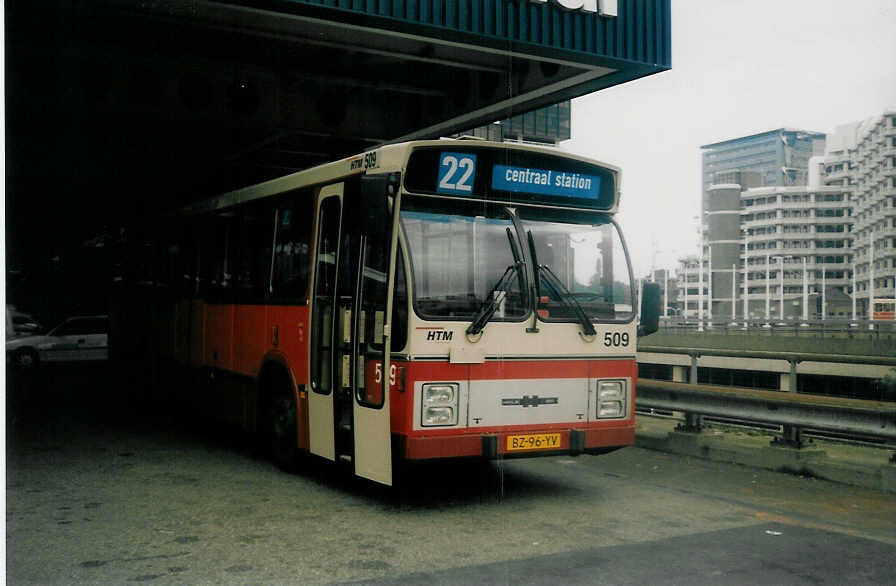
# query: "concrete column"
[[788, 379], [680, 374], [785, 382]]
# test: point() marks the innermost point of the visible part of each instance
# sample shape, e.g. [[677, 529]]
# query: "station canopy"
[[131, 105]]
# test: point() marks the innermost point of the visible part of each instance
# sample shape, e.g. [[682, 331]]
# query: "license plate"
[[534, 441]]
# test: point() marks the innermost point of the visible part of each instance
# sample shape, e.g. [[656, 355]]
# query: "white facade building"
[[806, 233], [862, 156]]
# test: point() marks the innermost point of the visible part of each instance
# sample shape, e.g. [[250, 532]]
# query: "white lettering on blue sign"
[[602, 7], [545, 182], [457, 171]]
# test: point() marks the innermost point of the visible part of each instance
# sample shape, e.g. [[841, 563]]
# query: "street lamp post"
[[767, 290], [781, 292], [781, 296], [700, 288], [871, 280], [746, 301], [805, 294], [746, 260], [733, 293], [854, 290], [709, 286]]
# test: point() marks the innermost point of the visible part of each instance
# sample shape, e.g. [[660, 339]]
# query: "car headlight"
[[611, 399], [439, 401]]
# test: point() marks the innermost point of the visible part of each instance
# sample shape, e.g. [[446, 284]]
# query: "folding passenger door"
[[321, 405], [372, 451]]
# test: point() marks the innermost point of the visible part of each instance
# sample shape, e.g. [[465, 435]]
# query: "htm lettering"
[[439, 336]]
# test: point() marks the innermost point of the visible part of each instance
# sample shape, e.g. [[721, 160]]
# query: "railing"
[[793, 412], [832, 328], [793, 357]]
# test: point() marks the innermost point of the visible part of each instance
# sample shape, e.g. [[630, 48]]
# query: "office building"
[[801, 250], [862, 157], [775, 158]]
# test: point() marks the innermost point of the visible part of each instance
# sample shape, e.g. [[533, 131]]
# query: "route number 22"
[[456, 173]]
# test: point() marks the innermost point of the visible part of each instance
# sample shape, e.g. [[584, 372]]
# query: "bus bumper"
[[497, 444]]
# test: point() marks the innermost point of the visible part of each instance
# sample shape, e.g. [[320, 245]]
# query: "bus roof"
[[384, 159]]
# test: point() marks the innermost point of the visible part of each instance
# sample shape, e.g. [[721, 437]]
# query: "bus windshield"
[[459, 256], [586, 255]]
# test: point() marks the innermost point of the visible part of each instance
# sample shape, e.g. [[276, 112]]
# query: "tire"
[[282, 430], [26, 359]]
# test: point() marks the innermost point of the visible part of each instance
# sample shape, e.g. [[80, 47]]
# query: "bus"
[[884, 309], [426, 300]]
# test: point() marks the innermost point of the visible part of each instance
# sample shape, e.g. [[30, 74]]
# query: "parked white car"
[[74, 340]]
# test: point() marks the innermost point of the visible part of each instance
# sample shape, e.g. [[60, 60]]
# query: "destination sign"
[[545, 182], [473, 171]]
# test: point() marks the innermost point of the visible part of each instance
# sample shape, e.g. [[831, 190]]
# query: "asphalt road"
[[103, 490]]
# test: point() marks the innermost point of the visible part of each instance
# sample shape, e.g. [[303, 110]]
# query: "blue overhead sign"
[[545, 182]]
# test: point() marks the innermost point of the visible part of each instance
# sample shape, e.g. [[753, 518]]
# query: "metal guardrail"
[[875, 330], [835, 414], [789, 356]]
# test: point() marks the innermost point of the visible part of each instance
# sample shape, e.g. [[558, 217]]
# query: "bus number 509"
[[616, 339]]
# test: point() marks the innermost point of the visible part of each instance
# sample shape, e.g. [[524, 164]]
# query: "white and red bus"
[[425, 300], [884, 309]]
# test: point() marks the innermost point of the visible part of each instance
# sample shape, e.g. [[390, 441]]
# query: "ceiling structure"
[[120, 108]]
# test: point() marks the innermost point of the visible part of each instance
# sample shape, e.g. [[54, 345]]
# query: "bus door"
[[323, 342], [370, 410], [348, 410]]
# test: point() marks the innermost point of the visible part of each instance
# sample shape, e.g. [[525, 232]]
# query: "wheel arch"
[[275, 373]]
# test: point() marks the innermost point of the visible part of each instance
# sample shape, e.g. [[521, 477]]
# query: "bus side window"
[[253, 272], [292, 248], [221, 261]]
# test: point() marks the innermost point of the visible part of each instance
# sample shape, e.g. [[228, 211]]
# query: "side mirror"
[[650, 309], [374, 214]]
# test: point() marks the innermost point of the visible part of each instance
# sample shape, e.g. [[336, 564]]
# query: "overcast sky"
[[739, 67]]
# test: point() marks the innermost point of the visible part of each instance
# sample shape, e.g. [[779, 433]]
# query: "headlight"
[[438, 394], [611, 399], [439, 402], [439, 416]]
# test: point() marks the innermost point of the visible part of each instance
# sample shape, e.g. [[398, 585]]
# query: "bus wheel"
[[283, 432]]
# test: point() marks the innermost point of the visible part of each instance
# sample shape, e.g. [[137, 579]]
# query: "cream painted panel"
[[431, 339], [527, 402]]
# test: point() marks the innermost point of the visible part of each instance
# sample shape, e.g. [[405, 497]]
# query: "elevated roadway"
[[787, 353]]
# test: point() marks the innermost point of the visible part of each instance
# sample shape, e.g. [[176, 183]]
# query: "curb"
[[855, 466]]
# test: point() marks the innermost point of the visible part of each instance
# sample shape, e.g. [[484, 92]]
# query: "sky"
[[739, 67]]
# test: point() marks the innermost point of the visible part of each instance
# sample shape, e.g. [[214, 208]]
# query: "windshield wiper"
[[553, 282], [492, 301], [490, 305]]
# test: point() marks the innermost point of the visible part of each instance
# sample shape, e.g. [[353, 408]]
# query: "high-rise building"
[[822, 246], [774, 158], [862, 156]]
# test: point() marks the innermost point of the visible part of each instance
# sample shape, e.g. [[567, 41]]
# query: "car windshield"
[[588, 259], [458, 256]]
